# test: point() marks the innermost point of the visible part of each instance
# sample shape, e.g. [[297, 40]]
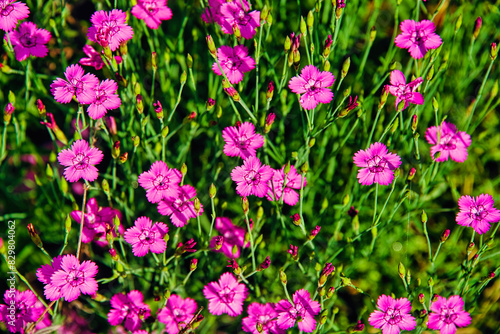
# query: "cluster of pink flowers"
[[21, 309], [231, 16]]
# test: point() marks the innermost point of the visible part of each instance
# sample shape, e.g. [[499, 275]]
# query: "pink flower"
[[394, 315], [145, 236], [29, 41], [181, 208], [94, 58], [234, 14], [225, 296], [129, 307], [212, 12], [104, 99], [160, 182], [234, 62], [177, 313], [448, 142], [418, 37], [232, 236], [79, 161], [302, 312], [313, 85], [11, 12], [403, 91], [152, 12], [77, 84], [477, 212], [447, 314], [21, 309], [110, 28], [263, 314], [241, 140], [44, 275], [293, 181], [252, 178], [377, 164]]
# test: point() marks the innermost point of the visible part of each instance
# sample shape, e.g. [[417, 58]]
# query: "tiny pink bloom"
[[11, 12], [160, 182], [241, 140], [303, 312], [234, 14], [21, 309], [152, 12], [177, 313], [252, 177], [448, 314], [28, 40], [129, 307], [79, 161], [263, 314], [448, 142], [94, 58], [394, 315], [77, 83], [293, 181], [477, 212], [403, 91], [418, 37], [225, 296], [312, 84], [232, 236], [145, 236], [234, 62], [110, 28], [377, 165], [181, 208], [104, 99]]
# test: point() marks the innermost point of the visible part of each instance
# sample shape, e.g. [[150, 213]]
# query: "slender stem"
[[251, 241], [428, 241], [375, 204], [176, 103], [388, 126], [84, 202], [4, 142], [257, 57]]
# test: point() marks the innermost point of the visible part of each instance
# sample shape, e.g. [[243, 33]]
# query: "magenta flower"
[[394, 315], [94, 58], [418, 37], [177, 313], [403, 91], [11, 12], [160, 182], [293, 181], [77, 84], [152, 12], [263, 314], [234, 14], [79, 161], [28, 40], [234, 62], [145, 236], [448, 142], [232, 236], [129, 307], [252, 178], [313, 85], [241, 140], [225, 296], [477, 212], [21, 309], [377, 165], [212, 11], [104, 99], [303, 312], [181, 208], [44, 275], [448, 314], [110, 28]]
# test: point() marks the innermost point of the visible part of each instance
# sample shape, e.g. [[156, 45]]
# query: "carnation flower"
[[234, 62], [94, 58], [312, 84], [104, 99], [252, 178], [181, 208], [293, 181], [129, 307], [303, 310], [160, 182], [377, 165], [403, 91], [77, 83], [152, 12], [212, 11], [21, 309], [477, 212], [448, 142], [225, 296], [28, 40], [109, 28], [394, 315], [234, 14], [448, 314], [418, 37], [263, 314], [241, 140], [232, 236], [177, 313], [145, 236], [11, 12], [79, 161]]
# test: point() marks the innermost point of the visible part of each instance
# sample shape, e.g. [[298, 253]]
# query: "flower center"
[[233, 63], [100, 96], [226, 295], [27, 40], [151, 7], [448, 142], [252, 177], [447, 315], [75, 277], [377, 164], [243, 142], [478, 212], [6, 9], [81, 161], [147, 237], [179, 314], [179, 205], [161, 182], [392, 316], [311, 85], [418, 37]]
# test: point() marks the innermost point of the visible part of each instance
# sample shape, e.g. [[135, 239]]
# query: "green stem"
[[251, 241], [84, 203]]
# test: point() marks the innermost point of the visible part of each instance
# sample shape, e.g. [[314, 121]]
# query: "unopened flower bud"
[[373, 34], [283, 277], [401, 106], [421, 298], [105, 186], [303, 26], [164, 131], [314, 232], [296, 219], [470, 248], [67, 224], [311, 143], [211, 46], [493, 51], [244, 204], [270, 91], [34, 236], [197, 206], [296, 59], [477, 27], [123, 157], [423, 217], [41, 108], [310, 20], [383, 97], [430, 281], [136, 140], [153, 61], [304, 168], [7, 114], [269, 122], [189, 61], [265, 264], [49, 172], [210, 104], [288, 44], [115, 150], [218, 242], [158, 109], [259, 327], [326, 66], [414, 123], [430, 74], [445, 235], [411, 174], [345, 67], [338, 13], [401, 270], [183, 77], [193, 265], [140, 105], [113, 254]]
